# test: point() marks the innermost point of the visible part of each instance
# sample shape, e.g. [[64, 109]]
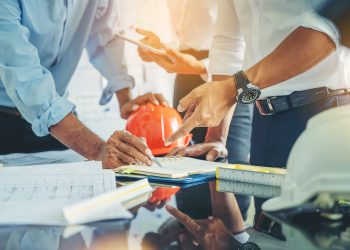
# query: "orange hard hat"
[[156, 123]]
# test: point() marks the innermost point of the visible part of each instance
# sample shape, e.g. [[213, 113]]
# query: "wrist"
[[231, 89], [100, 151]]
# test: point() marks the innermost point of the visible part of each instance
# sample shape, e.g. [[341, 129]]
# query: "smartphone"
[[142, 46]]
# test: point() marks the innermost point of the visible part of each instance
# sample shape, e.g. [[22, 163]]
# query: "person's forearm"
[[220, 132], [123, 96], [300, 51], [75, 135]]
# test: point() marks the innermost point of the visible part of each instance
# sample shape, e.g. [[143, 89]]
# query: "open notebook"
[[174, 167]]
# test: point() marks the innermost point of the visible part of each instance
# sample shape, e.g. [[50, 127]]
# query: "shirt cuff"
[[224, 62], [316, 22], [115, 84], [52, 113], [206, 77], [226, 56]]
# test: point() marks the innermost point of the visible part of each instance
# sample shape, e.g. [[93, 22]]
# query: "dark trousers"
[[16, 136], [273, 136]]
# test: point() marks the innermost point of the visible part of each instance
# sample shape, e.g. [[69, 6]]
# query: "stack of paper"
[[51, 195], [172, 168]]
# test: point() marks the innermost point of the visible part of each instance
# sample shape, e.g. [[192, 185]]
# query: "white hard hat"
[[319, 162]]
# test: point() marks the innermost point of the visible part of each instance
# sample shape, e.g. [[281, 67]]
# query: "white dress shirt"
[[193, 23], [249, 30]]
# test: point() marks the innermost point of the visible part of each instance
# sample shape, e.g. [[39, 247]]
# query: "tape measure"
[[252, 174], [257, 190]]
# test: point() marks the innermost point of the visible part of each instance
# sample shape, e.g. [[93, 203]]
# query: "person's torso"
[[193, 22], [59, 30], [265, 24]]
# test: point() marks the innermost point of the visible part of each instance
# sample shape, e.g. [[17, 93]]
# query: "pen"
[[149, 154]]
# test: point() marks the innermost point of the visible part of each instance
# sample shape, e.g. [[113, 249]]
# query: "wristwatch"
[[249, 246], [247, 92]]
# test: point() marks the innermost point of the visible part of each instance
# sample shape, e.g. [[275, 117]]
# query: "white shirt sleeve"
[[106, 52], [227, 51], [301, 14]]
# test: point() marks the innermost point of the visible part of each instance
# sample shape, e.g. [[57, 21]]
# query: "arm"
[[32, 89], [106, 53], [173, 61], [298, 52]]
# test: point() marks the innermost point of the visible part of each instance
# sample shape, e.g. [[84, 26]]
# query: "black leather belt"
[[10, 111], [277, 104]]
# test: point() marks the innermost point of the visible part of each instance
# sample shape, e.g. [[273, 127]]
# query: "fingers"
[[128, 153], [185, 220], [128, 108], [145, 32], [175, 151], [184, 130], [213, 154], [216, 152], [144, 55], [189, 112], [186, 244], [128, 148], [173, 54], [161, 100]]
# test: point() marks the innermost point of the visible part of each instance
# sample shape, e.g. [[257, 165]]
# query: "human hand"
[[150, 39], [206, 106], [124, 148], [209, 234], [133, 105], [212, 151], [177, 62], [160, 196]]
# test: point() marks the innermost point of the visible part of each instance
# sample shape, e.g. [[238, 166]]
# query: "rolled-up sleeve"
[[106, 51], [29, 85], [227, 51], [300, 13]]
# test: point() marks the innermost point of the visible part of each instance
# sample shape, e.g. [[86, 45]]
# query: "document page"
[[38, 195]]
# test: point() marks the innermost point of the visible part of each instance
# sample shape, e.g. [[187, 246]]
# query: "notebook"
[[173, 167]]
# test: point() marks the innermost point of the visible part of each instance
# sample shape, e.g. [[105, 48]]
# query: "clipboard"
[[192, 179]]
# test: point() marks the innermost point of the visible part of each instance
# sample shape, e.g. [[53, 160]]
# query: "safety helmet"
[[319, 163], [156, 123]]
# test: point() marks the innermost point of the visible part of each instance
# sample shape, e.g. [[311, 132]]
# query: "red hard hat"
[[156, 123]]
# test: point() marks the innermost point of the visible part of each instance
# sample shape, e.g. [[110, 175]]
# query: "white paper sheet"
[[105, 206], [49, 157], [38, 194]]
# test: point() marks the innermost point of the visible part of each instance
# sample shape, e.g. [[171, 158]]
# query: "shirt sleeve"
[[29, 85], [227, 51], [301, 13], [106, 51]]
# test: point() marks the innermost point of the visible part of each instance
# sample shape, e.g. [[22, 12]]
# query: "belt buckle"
[[262, 110]]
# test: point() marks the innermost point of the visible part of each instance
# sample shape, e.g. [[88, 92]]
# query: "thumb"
[[128, 108], [143, 32], [213, 154], [185, 243]]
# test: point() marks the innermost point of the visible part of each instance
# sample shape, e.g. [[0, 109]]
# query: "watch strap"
[[241, 80]]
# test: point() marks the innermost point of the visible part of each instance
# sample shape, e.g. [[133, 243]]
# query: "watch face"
[[250, 96]]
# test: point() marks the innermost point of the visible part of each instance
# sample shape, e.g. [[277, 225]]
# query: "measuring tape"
[[252, 174], [257, 190]]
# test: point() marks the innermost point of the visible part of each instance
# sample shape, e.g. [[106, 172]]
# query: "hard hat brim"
[[278, 203]]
